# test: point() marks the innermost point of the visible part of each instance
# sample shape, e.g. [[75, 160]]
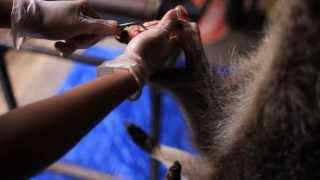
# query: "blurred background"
[[229, 28]]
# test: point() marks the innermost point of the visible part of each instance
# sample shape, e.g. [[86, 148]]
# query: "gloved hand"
[[154, 46], [148, 51], [72, 21]]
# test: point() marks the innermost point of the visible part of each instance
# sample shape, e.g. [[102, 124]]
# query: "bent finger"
[[178, 13]]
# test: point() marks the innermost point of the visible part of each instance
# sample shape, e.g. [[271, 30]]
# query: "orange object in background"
[[198, 3], [212, 24]]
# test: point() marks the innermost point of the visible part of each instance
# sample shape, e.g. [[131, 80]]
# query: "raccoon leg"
[[193, 167], [174, 172], [164, 154]]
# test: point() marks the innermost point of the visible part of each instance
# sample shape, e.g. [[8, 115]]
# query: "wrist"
[[130, 63], [139, 67]]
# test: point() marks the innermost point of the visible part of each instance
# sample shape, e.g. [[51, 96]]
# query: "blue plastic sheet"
[[108, 148]]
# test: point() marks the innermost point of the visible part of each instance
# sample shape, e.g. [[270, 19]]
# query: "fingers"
[[79, 42], [91, 23], [172, 21], [98, 26], [182, 13], [150, 24], [171, 15], [168, 21], [178, 13], [88, 10]]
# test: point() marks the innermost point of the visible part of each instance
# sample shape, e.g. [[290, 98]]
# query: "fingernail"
[[182, 13]]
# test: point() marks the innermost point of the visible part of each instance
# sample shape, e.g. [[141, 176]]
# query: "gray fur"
[[263, 121]]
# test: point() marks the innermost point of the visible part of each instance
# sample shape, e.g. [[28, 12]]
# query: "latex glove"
[[154, 46], [147, 51], [134, 30], [198, 73], [72, 21]]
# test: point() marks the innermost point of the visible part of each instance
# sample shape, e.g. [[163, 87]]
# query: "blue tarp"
[[108, 148]]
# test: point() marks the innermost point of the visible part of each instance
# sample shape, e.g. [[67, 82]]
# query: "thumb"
[[173, 21]]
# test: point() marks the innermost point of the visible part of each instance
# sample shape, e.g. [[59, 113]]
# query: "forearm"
[[197, 91], [202, 106], [34, 136], [5, 13]]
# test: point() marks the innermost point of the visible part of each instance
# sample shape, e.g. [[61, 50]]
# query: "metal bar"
[[74, 57], [5, 80], [156, 97], [156, 109], [79, 172], [90, 60]]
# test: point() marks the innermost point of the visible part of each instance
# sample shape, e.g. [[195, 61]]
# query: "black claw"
[[141, 138], [174, 172], [123, 37]]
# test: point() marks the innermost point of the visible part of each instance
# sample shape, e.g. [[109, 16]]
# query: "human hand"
[[72, 21], [148, 48], [197, 68], [154, 45], [128, 33], [188, 35]]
